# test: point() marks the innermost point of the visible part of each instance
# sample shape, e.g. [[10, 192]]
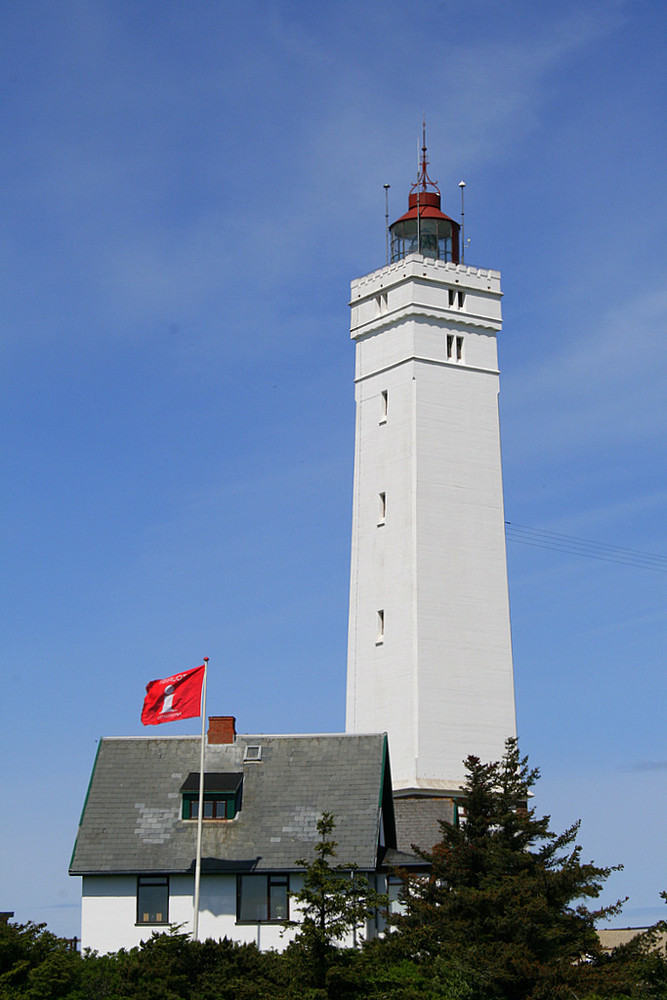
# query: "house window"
[[215, 807], [384, 399], [394, 886], [222, 796], [152, 899], [262, 898], [460, 813]]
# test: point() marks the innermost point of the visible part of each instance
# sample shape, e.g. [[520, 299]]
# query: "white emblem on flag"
[[168, 704]]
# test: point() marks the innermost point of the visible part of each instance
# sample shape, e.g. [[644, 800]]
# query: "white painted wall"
[[441, 681], [109, 913]]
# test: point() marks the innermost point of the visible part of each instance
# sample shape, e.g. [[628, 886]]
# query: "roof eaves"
[[85, 803]]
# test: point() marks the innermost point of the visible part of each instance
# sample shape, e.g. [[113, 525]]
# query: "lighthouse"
[[429, 649]]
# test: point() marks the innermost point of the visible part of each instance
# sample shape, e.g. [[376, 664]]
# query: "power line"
[[570, 544]]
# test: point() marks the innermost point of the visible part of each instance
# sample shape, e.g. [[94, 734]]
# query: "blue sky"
[[186, 192]]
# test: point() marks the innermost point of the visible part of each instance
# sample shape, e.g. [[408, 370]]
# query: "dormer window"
[[222, 795]]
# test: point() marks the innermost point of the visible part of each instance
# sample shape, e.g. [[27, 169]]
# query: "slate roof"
[[418, 821], [131, 820], [391, 859]]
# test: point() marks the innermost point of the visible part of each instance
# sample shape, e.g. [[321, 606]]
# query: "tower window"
[[462, 298], [381, 303], [454, 347], [384, 399], [452, 297], [379, 639], [382, 508]]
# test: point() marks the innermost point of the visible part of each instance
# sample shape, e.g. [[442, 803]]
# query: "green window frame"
[[222, 795], [217, 805]]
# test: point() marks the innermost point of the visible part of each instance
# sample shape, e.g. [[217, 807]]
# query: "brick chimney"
[[221, 728]]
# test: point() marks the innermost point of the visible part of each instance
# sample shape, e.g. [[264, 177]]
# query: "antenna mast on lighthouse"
[[424, 229]]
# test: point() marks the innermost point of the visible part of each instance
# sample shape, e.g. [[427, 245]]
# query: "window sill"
[[152, 923], [254, 923], [209, 819]]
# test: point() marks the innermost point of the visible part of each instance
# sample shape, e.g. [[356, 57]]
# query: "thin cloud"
[[603, 386]]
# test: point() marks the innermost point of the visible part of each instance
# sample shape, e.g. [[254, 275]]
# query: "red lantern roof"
[[428, 203]]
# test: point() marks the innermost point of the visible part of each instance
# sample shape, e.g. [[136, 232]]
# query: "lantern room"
[[424, 228]]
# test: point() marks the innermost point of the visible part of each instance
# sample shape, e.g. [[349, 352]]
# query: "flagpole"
[[200, 810]]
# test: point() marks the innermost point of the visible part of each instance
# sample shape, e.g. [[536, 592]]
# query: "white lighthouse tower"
[[429, 657]]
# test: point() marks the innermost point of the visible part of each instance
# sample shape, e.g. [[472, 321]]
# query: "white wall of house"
[[109, 913]]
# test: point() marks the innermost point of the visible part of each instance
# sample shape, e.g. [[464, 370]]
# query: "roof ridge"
[[251, 736]]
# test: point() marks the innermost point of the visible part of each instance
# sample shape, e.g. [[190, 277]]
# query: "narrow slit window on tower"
[[462, 298], [452, 295], [450, 346], [459, 348], [384, 400], [379, 639], [382, 508]]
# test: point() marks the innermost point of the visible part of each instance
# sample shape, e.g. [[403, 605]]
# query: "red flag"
[[177, 697]]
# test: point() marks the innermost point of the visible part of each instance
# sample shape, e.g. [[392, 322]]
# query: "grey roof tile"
[[132, 817], [418, 821]]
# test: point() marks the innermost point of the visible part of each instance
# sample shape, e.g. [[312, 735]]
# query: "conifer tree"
[[506, 897], [334, 901]]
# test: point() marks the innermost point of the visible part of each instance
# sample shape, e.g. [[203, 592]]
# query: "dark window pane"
[[252, 897], [278, 900], [215, 807], [152, 900]]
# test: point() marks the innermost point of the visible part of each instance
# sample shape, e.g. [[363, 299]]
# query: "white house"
[[136, 843]]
